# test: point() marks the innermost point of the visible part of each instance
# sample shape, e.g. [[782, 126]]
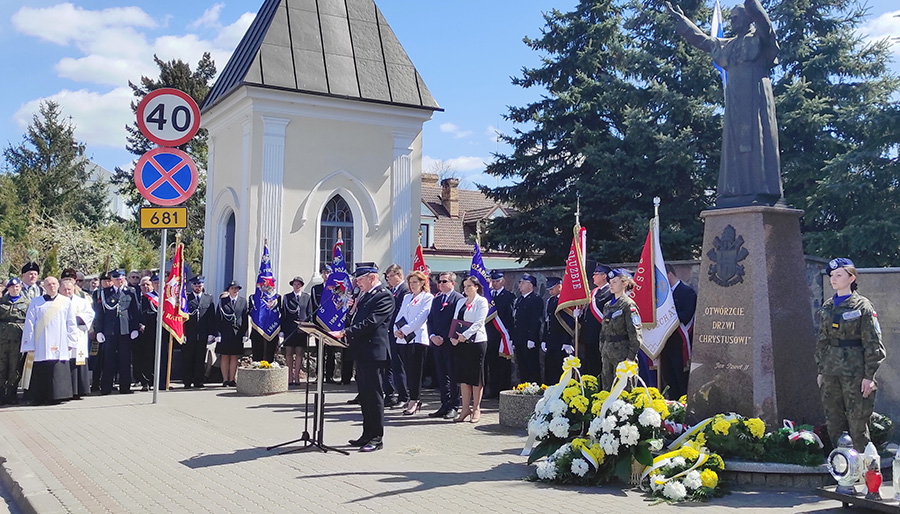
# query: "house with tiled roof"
[[450, 221]]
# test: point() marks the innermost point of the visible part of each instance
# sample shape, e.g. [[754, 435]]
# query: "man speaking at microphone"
[[368, 335]]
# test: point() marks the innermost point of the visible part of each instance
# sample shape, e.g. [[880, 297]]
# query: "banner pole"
[[159, 315], [169, 362]]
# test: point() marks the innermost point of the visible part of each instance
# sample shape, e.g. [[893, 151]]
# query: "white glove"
[[210, 339], [530, 345], [512, 350], [218, 339], [246, 339], [281, 335], [568, 349], [544, 346], [100, 337], [134, 334], [577, 312], [820, 380]]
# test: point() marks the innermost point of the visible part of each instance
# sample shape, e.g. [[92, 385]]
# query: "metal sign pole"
[[159, 314]]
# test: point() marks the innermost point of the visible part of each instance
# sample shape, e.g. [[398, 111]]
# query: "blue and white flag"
[[716, 31], [336, 295], [265, 315], [478, 271]]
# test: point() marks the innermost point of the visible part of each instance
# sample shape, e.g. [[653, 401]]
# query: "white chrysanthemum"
[[677, 462], [630, 435], [579, 467], [559, 426], [654, 485], [625, 410], [609, 424], [594, 428], [562, 450], [558, 407], [692, 480], [546, 470], [655, 445], [610, 444], [538, 427], [649, 418], [674, 490], [539, 406], [616, 406]]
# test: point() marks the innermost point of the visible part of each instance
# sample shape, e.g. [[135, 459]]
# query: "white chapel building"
[[315, 126]]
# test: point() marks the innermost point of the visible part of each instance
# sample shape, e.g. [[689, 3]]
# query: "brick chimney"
[[429, 179], [450, 196]]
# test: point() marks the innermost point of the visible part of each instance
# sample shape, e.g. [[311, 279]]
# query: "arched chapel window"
[[336, 216]]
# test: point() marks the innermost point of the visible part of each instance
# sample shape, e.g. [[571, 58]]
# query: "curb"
[[15, 490]]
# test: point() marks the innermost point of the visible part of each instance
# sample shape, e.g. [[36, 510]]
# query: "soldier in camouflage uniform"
[[620, 335], [13, 306], [848, 353]]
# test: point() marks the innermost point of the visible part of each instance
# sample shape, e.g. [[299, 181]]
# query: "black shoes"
[[438, 414], [360, 442], [354, 400], [391, 401], [144, 389], [451, 414], [373, 445]]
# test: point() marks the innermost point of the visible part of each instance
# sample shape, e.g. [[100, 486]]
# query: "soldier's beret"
[[618, 272], [553, 281], [529, 278], [496, 274], [602, 268], [31, 266], [840, 262], [364, 268], [13, 281]]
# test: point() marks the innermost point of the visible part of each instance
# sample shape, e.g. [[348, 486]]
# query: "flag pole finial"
[[340, 235], [656, 206], [578, 208]]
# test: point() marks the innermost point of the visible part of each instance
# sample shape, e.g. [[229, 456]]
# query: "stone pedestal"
[[516, 408], [259, 382], [754, 342]]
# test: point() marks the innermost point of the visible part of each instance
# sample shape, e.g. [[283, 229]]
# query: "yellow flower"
[[569, 393], [655, 394], [689, 454], [709, 478], [640, 400], [597, 453], [701, 439], [757, 427], [579, 403], [661, 407], [683, 398], [579, 443], [715, 461], [543, 387], [572, 383], [589, 381], [721, 426], [601, 396], [264, 365], [595, 407]]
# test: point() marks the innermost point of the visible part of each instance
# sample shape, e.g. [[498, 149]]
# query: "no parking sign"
[[165, 176]]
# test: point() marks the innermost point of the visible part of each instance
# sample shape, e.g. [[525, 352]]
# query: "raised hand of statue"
[[674, 10]]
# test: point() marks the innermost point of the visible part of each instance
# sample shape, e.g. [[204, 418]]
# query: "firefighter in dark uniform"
[[849, 351], [116, 325], [199, 331], [498, 368], [558, 340]]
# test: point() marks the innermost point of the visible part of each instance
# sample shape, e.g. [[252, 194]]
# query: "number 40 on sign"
[[164, 217]]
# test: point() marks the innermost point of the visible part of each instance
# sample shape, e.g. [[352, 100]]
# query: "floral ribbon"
[[676, 444], [551, 393], [624, 370], [663, 460], [799, 434]]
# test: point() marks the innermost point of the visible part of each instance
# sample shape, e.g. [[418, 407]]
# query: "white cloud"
[[230, 35], [493, 134], [451, 128], [100, 69], [65, 23], [460, 164], [99, 118], [887, 25], [210, 18]]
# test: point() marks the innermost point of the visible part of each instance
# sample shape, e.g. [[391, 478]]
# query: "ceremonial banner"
[[265, 316], [653, 295], [419, 262], [174, 311], [575, 290], [479, 272], [336, 295]]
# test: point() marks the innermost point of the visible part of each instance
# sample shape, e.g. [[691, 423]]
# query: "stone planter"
[[259, 382], [516, 409]]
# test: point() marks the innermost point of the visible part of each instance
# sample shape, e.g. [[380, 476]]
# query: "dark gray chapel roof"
[[339, 48]]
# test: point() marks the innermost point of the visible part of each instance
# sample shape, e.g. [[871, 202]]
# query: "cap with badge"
[[197, 279], [325, 268], [553, 282], [618, 272], [529, 278], [602, 268], [840, 262], [13, 281], [154, 278], [496, 274], [31, 266], [364, 268], [297, 279], [116, 273], [68, 273], [233, 283]]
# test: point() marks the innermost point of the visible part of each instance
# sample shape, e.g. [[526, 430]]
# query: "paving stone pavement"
[[205, 451]]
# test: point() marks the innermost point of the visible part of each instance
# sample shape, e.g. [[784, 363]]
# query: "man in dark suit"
[[199, 331], [592, 321], [439, 319], [674, 356], [528, 313], [116, 325], [557, 339], [144, 347], [368, 334], [498, 369], [395, 390]]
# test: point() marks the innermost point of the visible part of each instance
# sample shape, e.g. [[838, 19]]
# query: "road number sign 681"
[[168, 117]]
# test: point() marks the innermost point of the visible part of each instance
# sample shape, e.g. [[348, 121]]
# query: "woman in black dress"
[[470, 345], [296, 308], [232, 320]]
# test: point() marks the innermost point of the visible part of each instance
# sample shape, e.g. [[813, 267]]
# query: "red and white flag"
[[419, 262], [173, 313], [575, 290], [653, 295]]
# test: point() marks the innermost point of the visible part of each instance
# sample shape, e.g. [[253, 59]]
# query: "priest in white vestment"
[[50, 334], [84, 317]]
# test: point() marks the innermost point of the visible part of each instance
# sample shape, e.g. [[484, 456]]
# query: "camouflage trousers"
[[9, 362], [611, 354], [846, 410]]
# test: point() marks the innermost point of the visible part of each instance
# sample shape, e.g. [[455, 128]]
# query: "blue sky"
[[82, 53]]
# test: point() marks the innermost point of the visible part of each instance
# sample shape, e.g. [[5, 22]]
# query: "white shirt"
[[50, 329], [415, 310], [476, 314], [84, 309]]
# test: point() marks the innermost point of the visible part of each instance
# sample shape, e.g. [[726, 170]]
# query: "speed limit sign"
[[168, 117]]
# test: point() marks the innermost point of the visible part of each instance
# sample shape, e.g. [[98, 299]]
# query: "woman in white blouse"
[[470, 345], [411, 331]]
